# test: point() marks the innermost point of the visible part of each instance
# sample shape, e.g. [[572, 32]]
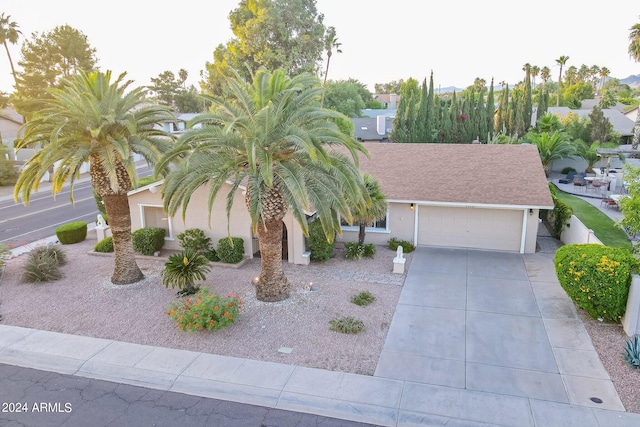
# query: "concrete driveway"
[[479, 330]]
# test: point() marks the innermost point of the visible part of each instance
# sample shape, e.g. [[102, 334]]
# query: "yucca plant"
[[632, 352], [182, 270]]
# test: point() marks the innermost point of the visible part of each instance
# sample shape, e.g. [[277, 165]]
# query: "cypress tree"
[[399, 132], [430, 127], [453, 115], [481, 117], [421, 123], [490, 112], [528, 104], [503, 111]]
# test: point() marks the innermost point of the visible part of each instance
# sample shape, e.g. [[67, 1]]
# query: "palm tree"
[[545, 74], [603, 73], [90, 118], [9, 33], [271, 137], [560, 61], [552, 146], [590, 154], [364, 215], [634, 52], [330, 43], [535, 70]]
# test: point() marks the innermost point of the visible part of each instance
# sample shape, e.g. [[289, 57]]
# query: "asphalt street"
[[33, 398]]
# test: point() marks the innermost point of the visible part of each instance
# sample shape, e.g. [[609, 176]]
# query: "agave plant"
[[632, 352], [182, 270]]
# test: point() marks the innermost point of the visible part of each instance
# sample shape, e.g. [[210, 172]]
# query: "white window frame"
[[386, 230], [141, 206]]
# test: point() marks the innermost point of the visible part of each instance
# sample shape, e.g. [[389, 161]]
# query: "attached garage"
[[470, 227]]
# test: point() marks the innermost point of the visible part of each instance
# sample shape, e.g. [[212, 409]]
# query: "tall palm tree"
[[535, 70], [271, 137], [90, 118], [9, 33], [560, 61], [545, 74], [330, 43], [634, 52], [364, 215], [603, 73], [552, 146]]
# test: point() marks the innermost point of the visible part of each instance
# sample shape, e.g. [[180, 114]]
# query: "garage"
[[470, 227]]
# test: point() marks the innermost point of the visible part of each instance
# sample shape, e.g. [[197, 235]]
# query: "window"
[[380, 225], [155, 216]]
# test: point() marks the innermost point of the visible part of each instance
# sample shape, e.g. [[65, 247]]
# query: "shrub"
[[148, 240], [321, 249], [560, 214], [73, 232], [5, 252], [194, 238], [632, 352], [346, 325], [596, 278], [568, 169], [231, 250], [353, 251], [363, 298], [8, 172], [43, 263], [146, 180], [54, 252], [407, 247], [206, 311], [104, 245], [183, 269]]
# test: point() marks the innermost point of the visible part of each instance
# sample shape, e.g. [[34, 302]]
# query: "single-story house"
[[10, 124], [370, 129], [486, 197]]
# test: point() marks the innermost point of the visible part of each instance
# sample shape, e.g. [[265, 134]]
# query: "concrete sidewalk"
[[478, 339]]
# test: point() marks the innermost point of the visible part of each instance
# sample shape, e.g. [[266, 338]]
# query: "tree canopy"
[[46, 59], [171, 91], [287, 34]]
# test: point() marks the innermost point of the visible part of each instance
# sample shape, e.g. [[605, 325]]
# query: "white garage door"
[[497, 229]]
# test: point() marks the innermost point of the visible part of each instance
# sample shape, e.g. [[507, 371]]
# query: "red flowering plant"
[[462, 117], [205, 311]]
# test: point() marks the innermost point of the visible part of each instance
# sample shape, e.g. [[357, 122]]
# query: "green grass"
[[603, 227]]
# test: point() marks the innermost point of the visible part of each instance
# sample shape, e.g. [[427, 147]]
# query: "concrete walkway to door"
[[491, 337]]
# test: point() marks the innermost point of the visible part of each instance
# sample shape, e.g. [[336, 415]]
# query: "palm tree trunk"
[[361, 232], [125, 269], [273, 284], [13, 70], [324, 83]]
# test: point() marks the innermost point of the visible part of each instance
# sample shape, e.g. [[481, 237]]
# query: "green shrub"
[[596, 278], [632, 352], [321, 249], [8, 172], [407, 247], [568, 169], [183, 269], [105, 245], [148, 240], [5, 253], [363, 298], [346, 325], [43, 264], [195, 239], [231, 250], [560, 215], [206, 311], [353, 251], [146, 180], [73, 232]]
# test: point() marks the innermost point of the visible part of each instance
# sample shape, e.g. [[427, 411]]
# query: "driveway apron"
[[490, 327]]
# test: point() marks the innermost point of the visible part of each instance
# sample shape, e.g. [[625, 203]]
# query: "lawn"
[[603, 227]]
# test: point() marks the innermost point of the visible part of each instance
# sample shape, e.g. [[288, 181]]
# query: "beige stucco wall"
[[532, 231], [196, 216], [401, 225]]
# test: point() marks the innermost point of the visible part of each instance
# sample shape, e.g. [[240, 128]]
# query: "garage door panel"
[[498, 229]]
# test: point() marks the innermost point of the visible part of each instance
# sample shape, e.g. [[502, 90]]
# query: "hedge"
[[230, 251], [73, 232], [148, 240]]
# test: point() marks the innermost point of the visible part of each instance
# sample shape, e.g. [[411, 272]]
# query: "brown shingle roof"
[[485, 174]]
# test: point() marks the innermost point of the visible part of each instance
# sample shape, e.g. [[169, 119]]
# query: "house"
[[451, 195], [621, 124], [481, 196], [632, 114], [388, 100], [10, 123]]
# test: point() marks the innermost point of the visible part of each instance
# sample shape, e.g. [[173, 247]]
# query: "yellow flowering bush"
[[205, 311], [596, 278]]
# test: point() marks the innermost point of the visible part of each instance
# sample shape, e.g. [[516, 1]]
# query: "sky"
[[381, 40]]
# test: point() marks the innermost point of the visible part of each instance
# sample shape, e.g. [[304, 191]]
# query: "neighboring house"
[[621, 124], [10, 123], [372, 129], [389, 100], [632, 114], [450, 195], [180, 124]]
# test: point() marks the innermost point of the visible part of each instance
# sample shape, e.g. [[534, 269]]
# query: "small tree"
[[630, 206], [364, 214]]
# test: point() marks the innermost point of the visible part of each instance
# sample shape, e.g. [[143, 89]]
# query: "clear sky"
[[381, 40]]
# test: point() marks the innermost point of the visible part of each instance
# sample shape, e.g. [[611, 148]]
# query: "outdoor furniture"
[[568, 179], [580, 180]]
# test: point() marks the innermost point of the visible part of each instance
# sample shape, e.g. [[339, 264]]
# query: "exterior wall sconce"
[[412, 206], [530, 212]]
